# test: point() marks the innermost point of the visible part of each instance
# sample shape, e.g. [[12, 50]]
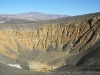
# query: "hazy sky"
[[68, 7]]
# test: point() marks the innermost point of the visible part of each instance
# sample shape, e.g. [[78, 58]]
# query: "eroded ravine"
[[49, 43]]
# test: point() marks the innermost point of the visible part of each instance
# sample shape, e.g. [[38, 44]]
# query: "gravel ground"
[[76, 73]]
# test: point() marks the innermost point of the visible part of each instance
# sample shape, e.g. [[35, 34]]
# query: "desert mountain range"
[[26, 17]]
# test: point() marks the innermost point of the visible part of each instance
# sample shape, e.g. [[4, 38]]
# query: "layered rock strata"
[[69, 36]]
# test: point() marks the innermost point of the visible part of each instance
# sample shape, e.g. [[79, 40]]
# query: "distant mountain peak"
[[29, 16]]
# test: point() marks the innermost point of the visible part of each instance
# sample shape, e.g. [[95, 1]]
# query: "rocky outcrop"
[[55, 42]]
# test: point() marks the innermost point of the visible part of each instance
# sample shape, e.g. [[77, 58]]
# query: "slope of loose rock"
[[66, 42]]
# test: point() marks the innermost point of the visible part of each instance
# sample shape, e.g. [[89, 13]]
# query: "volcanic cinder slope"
[[71, 43]]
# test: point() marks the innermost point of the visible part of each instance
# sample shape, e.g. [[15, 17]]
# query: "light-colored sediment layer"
[[38, 66]]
